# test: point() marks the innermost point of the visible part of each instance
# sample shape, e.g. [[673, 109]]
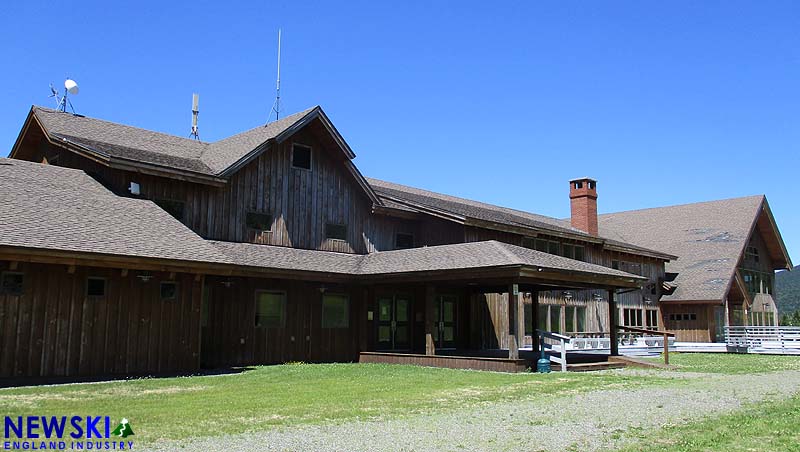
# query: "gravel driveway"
[[587, 421]]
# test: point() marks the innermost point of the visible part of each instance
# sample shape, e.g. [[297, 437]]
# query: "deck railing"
[[666, 335], [558, 344], [764, 339]]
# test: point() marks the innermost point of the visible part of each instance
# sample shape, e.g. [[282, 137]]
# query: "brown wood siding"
[[54, 329], [700, 330], [231, 337], [300, 202]]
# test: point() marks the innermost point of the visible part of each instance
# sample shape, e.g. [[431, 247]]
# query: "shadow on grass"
[[16, 382]]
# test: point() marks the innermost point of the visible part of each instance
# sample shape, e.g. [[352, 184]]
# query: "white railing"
[[559, 345], [764, 339]]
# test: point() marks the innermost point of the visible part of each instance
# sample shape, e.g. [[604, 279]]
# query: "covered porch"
[[474, 318]]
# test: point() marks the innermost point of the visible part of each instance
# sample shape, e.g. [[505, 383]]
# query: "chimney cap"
[[578, 179]]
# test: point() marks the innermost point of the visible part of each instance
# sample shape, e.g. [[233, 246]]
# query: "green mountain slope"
[[787, 290]]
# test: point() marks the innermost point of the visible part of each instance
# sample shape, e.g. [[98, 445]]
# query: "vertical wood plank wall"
[[54, 329], [230, 337]]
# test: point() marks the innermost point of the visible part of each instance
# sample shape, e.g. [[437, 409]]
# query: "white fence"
[[784, 340]]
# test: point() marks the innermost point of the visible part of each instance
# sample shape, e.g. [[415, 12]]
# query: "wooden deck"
[[450, 362], [491, 360]]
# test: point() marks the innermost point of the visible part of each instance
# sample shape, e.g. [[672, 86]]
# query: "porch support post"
[[515, 336], [430, 324], [534, 320], [612, 322]]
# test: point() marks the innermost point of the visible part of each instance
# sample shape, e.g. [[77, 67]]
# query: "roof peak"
[[713, 201], [188, 139]]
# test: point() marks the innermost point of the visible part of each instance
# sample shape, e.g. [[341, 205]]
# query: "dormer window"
[[301, 156]]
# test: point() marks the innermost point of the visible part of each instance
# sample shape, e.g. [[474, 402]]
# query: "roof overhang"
[[105, 159], [772, 235]]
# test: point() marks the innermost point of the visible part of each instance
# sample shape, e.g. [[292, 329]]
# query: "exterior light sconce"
[[648, 300], [568, 296], [597, 297], [322, 289], [145, 277], [227, 284]]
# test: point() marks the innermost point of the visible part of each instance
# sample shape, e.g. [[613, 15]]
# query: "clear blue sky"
[[662, 102]]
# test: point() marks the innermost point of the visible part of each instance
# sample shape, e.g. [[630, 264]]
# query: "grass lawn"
[[729, 363], [294, 394], [291, 394], [764, 427]]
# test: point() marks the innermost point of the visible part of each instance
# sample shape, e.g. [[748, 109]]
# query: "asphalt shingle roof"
[[469, 208], [707, 237], [472, 255], [55, 208], [132, 143]]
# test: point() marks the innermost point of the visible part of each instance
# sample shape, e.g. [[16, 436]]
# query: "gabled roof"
[[708, 238], [466, 211], [110, 142], [48, 207]]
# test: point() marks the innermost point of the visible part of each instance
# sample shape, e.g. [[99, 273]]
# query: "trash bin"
[[543, 366]]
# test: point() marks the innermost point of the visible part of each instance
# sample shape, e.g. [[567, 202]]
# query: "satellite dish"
[[71, 86]]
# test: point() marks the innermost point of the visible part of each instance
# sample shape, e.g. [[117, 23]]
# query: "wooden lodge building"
[[130, 252]]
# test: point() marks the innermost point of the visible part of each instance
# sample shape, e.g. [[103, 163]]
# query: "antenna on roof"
[[276, 107], [70, 87], [195, 111]]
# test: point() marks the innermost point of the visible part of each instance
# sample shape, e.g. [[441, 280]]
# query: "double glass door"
[[394, 331], [445, 321]]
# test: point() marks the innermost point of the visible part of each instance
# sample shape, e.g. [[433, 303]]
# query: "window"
[[169, 290], [751, 254], [11, 283], [580, 318], [541, 245], [555, 319], [553, 247], [335, 311], [529, 242], [301, 156], [259, 221], [569, 319], [336, 231], [172, 207], [403, 241], [270, 309], [682, 317], [632, 317], [96, 287], [568, 250], [578, 185], [592, 185], [615, 265], [757, 282], [543, 313], [580, 253], [651, 315]]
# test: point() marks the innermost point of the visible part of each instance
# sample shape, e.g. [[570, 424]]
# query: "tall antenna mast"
[[195, 111], [276, 107]]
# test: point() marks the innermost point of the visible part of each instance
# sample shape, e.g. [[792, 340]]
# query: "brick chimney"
[[583, 204]]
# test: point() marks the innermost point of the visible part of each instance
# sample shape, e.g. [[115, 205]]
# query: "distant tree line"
[[791, 319]]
